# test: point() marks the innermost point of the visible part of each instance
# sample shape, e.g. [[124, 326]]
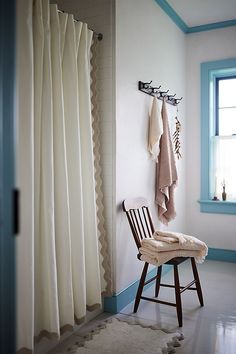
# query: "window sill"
[[217, 207]]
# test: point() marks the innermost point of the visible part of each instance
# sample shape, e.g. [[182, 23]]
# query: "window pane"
[[227, 93], [224, 166], [227, 121]]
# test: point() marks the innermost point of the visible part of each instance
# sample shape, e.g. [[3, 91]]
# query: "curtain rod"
[[98, 35]]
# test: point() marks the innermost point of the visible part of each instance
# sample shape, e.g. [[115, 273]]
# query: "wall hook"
[[171, 97], [146, 85], [156, 89], [178, 99], [163, 93]]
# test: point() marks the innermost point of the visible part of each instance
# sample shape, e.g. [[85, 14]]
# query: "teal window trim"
[[209, 72]]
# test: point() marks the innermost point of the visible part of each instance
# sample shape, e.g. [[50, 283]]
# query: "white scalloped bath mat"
[[118, 337]]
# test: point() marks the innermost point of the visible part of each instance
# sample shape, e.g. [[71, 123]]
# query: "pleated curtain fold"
[[58, 260]]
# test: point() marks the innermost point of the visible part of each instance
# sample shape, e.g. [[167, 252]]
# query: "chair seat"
[[177, 260]]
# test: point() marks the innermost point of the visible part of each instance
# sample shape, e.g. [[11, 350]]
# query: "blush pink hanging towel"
[[166, 174]]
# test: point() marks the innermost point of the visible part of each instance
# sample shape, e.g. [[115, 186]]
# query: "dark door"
[[7, 254]]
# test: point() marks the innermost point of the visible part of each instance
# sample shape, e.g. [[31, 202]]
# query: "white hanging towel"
[[155, 130]]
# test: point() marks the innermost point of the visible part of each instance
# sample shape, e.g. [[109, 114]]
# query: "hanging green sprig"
[[176, 138]]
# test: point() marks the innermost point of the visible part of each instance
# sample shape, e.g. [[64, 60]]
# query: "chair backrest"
[[139, 218]]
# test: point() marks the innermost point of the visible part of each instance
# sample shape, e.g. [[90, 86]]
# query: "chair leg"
[[177, 296], [196, 278], [140, 287], [158, 280]]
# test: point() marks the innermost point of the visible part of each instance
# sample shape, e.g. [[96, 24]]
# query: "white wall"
[[219, 231], [149, 46]]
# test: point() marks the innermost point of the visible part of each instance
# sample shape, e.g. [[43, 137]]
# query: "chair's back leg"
[[158, 281], [140, 287], [177, 296], [196, 278]]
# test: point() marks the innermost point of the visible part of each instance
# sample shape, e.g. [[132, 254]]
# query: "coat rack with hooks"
[[156, 92]]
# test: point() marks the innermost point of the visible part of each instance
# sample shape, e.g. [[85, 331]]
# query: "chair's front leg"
[[178, 296], [140, 287], [158, 281], [196, 278]]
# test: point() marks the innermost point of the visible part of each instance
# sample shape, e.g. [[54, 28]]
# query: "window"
[[226, 106], [218, 136], [224, 141]]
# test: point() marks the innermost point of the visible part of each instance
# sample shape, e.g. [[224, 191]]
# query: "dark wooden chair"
[[141, 225]]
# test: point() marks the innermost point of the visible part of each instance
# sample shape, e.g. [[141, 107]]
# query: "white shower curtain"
[[58, 268]]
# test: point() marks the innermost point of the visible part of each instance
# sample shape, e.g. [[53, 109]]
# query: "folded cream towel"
[[158, 249], [184, 241], [168, 236], [153, 248], [155, 130], [166, 174], [151, 245], [163, 257]]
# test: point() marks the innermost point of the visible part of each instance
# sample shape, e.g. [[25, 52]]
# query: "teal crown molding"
[[183, 26], [173, 15]]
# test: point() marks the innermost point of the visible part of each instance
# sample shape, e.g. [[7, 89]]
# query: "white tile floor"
[[210, 329], [207, 330]]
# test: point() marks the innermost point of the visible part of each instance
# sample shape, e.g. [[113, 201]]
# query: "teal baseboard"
[[115, 303], [218, 254]]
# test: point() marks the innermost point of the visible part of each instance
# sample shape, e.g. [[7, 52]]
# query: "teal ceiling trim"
[[211, 26], [173, 15], [183, 26]]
